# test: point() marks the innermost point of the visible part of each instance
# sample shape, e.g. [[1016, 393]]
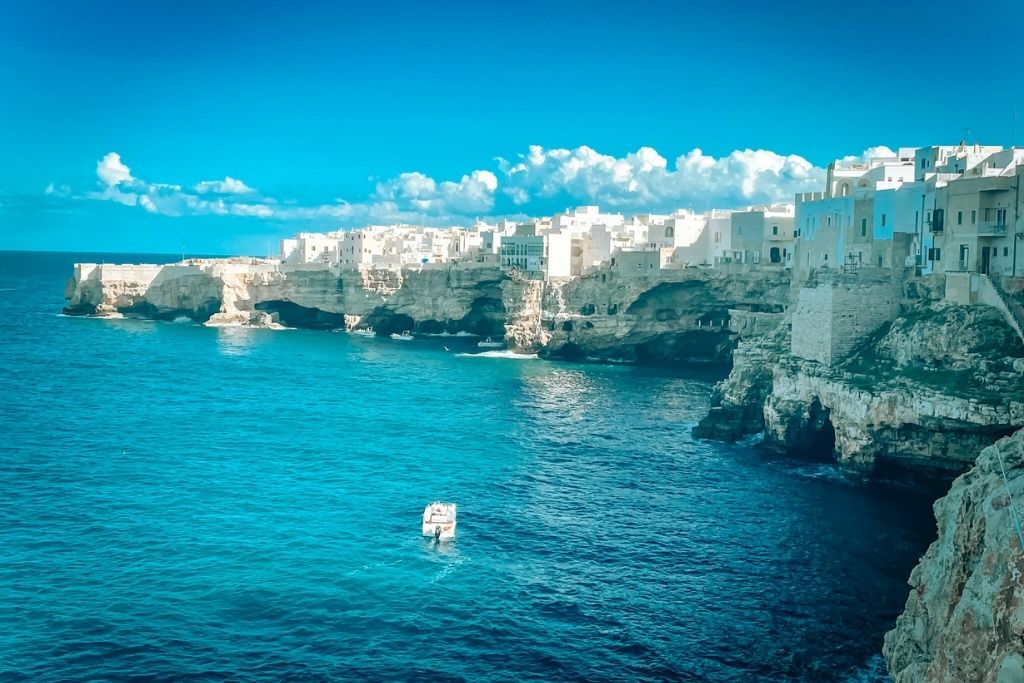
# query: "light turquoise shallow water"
[[184, 503]]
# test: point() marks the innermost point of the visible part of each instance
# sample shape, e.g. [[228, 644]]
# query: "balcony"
[[991, 228]]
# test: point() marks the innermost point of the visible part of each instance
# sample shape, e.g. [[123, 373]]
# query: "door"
[[776, 257], [986, 255]]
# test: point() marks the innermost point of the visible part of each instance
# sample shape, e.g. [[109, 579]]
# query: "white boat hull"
[[439, 521], [447, 530]]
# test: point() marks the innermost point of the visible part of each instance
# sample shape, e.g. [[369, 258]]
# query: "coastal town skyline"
[[437, 125]]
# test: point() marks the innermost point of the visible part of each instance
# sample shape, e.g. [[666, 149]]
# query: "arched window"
[[670, 231]]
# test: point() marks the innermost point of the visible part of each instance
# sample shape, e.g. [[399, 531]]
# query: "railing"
[[1012, 305], [992, 228]]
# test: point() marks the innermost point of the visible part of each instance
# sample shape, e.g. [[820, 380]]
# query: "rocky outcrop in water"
[[674, 316], [964, 618], [932, 389]]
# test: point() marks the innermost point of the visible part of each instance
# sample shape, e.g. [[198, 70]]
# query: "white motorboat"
[[439, 521], [489, 343], [402, 336], [365, 332]]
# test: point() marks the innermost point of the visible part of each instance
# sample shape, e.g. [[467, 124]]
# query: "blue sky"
[[327, 115]]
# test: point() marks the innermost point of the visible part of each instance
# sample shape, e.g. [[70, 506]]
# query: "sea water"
[[186, 503]]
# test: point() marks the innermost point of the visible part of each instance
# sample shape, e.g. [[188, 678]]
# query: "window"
[[1006, 251], [863, 227], [613, 260], [959, 217], [974, 215], [830, 221], [879, 261], [883, 219], [775, 230], [824, 257]]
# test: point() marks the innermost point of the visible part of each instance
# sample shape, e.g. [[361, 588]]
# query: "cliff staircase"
[[1011, 309]]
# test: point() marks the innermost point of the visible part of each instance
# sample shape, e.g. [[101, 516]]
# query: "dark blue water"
[[185, 503]]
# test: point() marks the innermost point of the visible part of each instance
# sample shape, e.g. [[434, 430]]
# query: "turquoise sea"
[[185, 503]]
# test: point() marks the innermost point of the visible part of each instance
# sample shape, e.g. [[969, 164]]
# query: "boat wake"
[[873, 671], [448, 569], [500, 354]]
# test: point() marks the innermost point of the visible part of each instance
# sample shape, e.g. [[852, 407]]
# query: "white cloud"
[[867, 155], [643, 180], [474, 193], [411, 197], [111, 171], [227, 186]]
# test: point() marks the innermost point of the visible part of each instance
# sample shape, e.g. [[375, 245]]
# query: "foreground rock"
[[964, 619]]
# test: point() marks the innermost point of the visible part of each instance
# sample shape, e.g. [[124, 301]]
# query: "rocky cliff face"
[[674, 316], [964, 619], [932, 389]]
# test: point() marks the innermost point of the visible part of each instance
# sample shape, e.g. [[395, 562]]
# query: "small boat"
[[402, 336], [439, 521], [489, 343], [365, 332]]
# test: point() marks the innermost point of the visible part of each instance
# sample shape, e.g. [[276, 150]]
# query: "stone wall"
[[831, 320]]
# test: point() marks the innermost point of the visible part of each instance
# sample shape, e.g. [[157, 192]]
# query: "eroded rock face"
[[737, 402], [931, 390], [948, 336], [964, 618], [873, 419], [675, 316]]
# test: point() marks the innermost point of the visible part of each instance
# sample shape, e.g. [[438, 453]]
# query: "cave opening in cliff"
[[486, 317], [386, 322], [821, 433], [292, 314]]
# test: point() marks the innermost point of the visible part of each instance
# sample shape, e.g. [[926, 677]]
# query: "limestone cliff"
[[933, 388], [678, 315], [964, 618]]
